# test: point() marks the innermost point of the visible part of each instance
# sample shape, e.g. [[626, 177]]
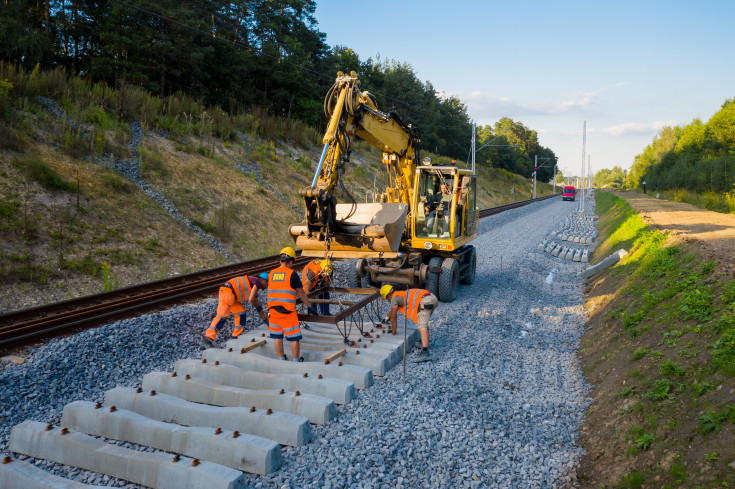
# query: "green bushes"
[[39, 171], [152, 162], [9, 208], [696, 162]]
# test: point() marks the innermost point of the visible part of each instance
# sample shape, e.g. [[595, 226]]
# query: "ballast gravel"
[[499, 406]]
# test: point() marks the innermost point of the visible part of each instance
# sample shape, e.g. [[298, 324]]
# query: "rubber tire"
[[449, 280], [469, 274], [353, 280], [432, 278]]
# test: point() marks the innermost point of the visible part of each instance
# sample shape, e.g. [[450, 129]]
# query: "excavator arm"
[[355, 228]]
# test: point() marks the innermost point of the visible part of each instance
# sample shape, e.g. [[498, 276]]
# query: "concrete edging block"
[[21, 474], [340, 391], [607, 262], [319, 410], [284, 428], [361, 377], [248, 453], [151, 469]]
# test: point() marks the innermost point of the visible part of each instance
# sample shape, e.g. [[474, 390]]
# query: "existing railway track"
[[27, 326]]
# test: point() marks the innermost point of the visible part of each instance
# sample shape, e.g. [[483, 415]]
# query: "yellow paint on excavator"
[[370, 230]]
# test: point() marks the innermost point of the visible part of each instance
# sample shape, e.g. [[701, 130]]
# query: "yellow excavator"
[[418, 231]]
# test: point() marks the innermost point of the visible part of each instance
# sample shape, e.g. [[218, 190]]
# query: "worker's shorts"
[[228, 304], [427, 306], [282, 325]]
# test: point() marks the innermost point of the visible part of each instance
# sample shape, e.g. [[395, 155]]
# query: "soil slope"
[[623, 369]]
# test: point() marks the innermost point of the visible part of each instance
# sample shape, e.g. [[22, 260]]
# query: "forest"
[[697, 157], [244, 55]]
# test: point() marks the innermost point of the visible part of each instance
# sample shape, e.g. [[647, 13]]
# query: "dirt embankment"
[[711, 231], [623, 368]]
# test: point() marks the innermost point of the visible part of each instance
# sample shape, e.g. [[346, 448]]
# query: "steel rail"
[[24, 327], [91, 311]]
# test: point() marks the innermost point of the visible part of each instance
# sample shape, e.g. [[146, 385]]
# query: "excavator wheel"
[[432, 279], [448, 280], [354, 280], [468, 277]]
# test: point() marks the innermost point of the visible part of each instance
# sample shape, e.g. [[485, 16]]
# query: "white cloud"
[[635, 128], [482, 106], [579, 100]]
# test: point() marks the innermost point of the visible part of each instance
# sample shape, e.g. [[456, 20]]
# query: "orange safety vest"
[[411, 298], [241, 287], [280, 292], [315, 268]]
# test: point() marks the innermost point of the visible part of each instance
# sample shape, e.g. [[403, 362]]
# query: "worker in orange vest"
[[284, 288], [417, 305], [318, 274], [232, 298]]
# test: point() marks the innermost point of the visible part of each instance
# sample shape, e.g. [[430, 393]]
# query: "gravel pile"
[[500, 405]]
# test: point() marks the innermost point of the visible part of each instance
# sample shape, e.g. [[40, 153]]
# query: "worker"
[[318, 274], [232, 297], [284, 286], [440, 203], [417, 305]]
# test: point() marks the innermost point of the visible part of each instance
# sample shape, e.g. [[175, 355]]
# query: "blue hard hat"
[[264, 276]]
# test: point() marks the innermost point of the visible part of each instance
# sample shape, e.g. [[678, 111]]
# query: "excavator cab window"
[[434, 211]]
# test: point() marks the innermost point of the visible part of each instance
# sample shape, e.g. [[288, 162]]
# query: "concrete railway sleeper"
[[213, 419]]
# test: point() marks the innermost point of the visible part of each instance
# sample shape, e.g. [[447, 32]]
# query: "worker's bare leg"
[[295, 349], [424, 332], [278, 343]]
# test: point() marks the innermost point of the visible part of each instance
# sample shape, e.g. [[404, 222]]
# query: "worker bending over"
[[284, 287], [232, 297], [318, 274], [417, 305]]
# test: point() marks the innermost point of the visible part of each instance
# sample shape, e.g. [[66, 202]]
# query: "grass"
[[40, 172], [712, 421], [679, 312], [634, 480], [713, 201], [8, 209]]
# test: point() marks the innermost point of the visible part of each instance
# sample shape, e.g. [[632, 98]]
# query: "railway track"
[[233, 408], [497, 210], [24, 327]]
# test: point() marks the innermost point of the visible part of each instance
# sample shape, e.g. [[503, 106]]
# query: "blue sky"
[[627, 68]]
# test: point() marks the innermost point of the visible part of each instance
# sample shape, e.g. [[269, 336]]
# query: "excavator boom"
[[419, 227], [354, 229]]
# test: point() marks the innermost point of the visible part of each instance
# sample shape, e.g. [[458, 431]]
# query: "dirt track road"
[[711, 231]]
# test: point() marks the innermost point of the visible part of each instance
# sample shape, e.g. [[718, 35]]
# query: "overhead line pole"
[[584, 151]]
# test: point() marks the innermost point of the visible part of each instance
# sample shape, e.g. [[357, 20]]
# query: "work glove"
[[312, 310]]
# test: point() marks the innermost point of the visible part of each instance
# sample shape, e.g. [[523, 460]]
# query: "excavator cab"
[[445, 216]]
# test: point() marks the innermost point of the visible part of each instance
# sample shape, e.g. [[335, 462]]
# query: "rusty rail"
[[24, 327], [27, 326]]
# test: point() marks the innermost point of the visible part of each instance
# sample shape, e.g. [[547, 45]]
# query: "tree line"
[[240, 55], [698, 157]]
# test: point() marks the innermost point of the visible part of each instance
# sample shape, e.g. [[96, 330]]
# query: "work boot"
[[206, 343], [424, 356]]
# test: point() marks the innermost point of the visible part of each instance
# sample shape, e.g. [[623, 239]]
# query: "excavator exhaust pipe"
[[361, 228]]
